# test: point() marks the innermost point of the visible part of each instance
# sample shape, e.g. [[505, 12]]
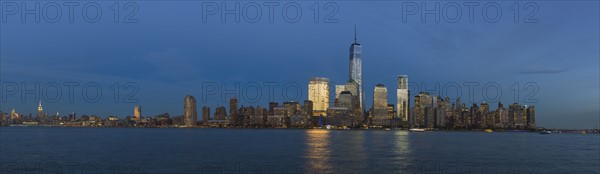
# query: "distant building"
[[14, 114], [190, 115], [352, 87], [338, 90], [72, 116], [221, 113], [272, 106], [307, 108], [423, 111], [40, 110], [402, 96], [357, 111], [245, 116], [257, 115], [516, 116], [391, 111], [346, 100], [205, 115], [339, 117], [233, 111], [279, 117], [356, 70], [262, 115], [318, 93], [531, 117], [137, 112], [501, 115], [380, 106], [307, 112], [488, 119]]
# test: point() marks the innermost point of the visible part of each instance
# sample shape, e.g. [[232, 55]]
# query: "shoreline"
[[559, 131]]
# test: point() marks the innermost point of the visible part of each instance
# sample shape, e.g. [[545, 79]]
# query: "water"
[[127, 150]]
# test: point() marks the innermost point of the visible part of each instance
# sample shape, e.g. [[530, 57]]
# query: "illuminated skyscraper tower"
[[356, 69], [190, 115], [402, 102], [137, 112], [318, 93], [380, 106], [40, 109]]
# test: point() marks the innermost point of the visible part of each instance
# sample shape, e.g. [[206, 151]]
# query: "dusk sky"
[[552, 61]]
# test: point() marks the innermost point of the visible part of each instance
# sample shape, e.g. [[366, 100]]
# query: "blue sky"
[[170, 52]]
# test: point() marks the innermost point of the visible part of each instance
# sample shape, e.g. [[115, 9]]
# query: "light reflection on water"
[[335, 151], [318, 150], [402, 150]]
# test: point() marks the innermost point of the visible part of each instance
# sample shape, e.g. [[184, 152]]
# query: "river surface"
[[146, 150]]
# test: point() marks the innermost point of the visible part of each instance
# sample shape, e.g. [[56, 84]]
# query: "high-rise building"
[[356, 69], [423, 111], [307, 108], [501, 116], [205, 114], [515, 115], [272, 106], [531, 117], [137, 112], [402, 96], [440, 112], [14, 114], [233, 110], [338, 90], [40, 109], [318, 93], [190, 115], [380, 106], [488, 120], [221, 113], [346, 100], [262, 113], [72, 116], [391, 111], [352, 87]]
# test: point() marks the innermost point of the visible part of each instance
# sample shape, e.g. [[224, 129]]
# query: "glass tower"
[[356, 69], [402, 102]]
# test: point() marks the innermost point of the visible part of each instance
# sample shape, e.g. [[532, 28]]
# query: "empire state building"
[[356, 69]]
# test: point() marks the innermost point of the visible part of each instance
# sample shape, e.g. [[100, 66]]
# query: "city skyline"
[[323, 99], [505, 53], [425, 114]]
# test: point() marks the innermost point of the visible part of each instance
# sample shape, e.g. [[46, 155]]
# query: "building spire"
[[354, 33]]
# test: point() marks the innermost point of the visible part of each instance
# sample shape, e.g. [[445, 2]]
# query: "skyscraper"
[[220, 113], [380, 106], [40, 109], [233, 110], [423, 111], [137, 112], [205, 115], [346, 100], [351, 86], [190, 115], [318, 93], [356, 69], [402, 102], [14, 114], [531, 117], [338, 90]]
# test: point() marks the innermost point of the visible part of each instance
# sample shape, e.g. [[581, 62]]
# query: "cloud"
[[543, 70]]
